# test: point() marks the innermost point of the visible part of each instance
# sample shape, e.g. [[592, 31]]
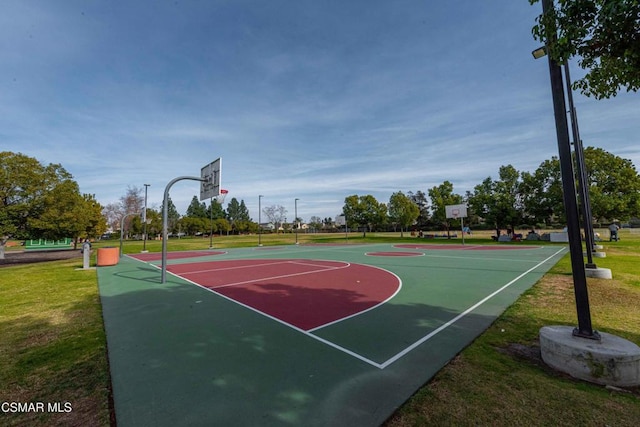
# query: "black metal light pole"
[[583, 183], [584, 328]]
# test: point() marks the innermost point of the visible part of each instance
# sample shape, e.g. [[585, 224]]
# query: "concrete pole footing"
[[598, 273], [610, 361]]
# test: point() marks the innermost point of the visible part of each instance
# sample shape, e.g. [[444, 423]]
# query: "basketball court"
[[301, 334]]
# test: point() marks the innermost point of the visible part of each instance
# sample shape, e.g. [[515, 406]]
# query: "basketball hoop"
[[221, 196]]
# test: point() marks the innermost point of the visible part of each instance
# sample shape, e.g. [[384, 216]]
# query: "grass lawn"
[[53, 350]]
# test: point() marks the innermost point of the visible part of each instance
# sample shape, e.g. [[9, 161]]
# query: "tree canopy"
[[43, 201], [402, 211], [605, 37], [364, 211]]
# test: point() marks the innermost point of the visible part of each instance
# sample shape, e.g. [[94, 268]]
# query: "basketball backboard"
[[456, 211], [210, 184]]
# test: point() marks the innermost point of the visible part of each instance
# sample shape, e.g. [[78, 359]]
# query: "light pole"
[[144, 220], [296, 220], [584, 329], [582, 173], [580, 165], [260, 220]]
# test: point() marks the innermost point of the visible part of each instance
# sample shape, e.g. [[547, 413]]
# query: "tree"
[[173, 216], [197, 209], [614, 186], [67, 213], [194, 225], [508, 202], [365, 212], [112, 214], [499, 202], [442, 196], [420, 199], [23, 184], [276, 214], [603, 34], [41, 201], [133, 200], [217, 213], [315, 223], [238, 213], [541, 193], [402, 211]]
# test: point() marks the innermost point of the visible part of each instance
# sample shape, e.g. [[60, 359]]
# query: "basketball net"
[[220, 199]]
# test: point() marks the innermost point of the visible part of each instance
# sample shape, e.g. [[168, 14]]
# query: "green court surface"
[[299, 335]]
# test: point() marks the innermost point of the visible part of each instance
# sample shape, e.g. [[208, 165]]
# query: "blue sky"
[[308, 99]]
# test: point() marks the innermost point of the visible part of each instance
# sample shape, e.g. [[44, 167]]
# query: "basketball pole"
[[211, 223], [165, 220]]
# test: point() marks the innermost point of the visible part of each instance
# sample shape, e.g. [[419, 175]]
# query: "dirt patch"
[[29, 257]]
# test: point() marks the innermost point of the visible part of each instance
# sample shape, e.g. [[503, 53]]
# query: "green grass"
[[52, 344]]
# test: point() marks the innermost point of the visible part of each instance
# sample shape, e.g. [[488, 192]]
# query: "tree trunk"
[[3, 243]]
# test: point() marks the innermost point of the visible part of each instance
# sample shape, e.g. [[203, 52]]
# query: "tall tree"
[[441, 196], [218, 211], [364, 211], [499, 202], [507, 196], [402, 211], [614, 186], [24, 183], [238, 215], [541, 193], [173, 217], [197, 209], [67, 213], [420, 199], [133, 200], [275, 214], [603, 34]]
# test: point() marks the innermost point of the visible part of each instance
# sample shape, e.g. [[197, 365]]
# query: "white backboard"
[[210, 173], [456, 211]]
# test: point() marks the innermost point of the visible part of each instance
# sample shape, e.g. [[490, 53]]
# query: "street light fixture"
[[539, 52]]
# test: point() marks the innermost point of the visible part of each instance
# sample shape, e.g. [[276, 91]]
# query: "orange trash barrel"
[[108, 256]]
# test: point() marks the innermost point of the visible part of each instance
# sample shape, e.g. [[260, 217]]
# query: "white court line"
[[238, 267], [280, 277], [342, 319], [302, 331], [298, 262], [399, 355], [463, 314], [482, 259]]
